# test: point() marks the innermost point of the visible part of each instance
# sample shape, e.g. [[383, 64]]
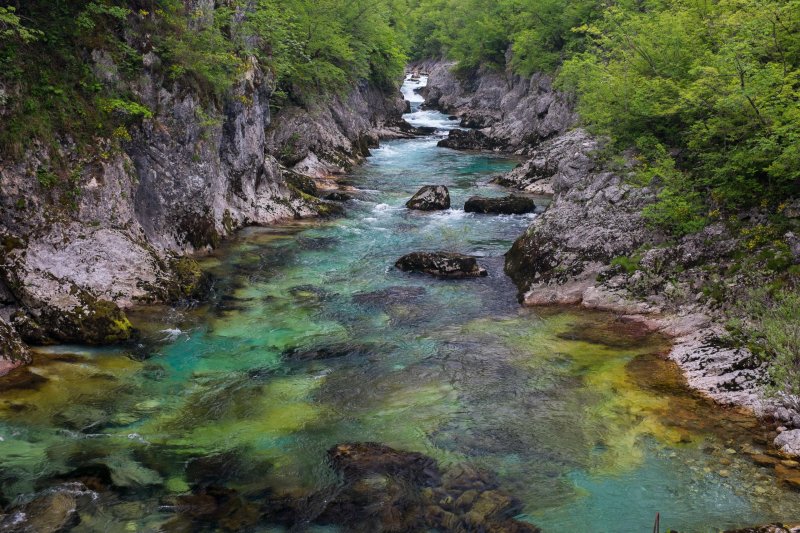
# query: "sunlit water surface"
[[576, 413]]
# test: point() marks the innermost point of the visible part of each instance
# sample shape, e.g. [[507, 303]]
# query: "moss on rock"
[[12, 350]]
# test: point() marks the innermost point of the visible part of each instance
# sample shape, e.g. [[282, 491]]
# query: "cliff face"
[[514, 111], [115, 231]]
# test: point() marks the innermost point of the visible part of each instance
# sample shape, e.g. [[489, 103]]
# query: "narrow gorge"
[[433, 303]]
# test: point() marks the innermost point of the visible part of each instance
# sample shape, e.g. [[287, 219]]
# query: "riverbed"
[[311, 338]]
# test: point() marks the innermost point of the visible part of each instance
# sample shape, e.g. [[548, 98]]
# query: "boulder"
[[338, 197], [442, 264], [430, 198], [508, 205], [468, 140], [789, 442]]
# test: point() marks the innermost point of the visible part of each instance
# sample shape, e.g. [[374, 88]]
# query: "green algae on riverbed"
[[310, 338]]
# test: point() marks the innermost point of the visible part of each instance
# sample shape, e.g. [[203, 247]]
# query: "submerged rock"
[[221, 506], [389, 296], [385, 489], [430, 198], [331, 351], [508, 205], [441, 264], [356, 460], [51, 511], [468, 140]]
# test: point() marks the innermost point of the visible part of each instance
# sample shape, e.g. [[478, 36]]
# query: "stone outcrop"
[[468, 140], [507, 205], [86, 236], [441, 264], [430, 198], [513, 111]]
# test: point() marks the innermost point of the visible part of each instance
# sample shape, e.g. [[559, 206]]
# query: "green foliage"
[[124, 107], [475, 32], [708, 91], [54, 88], [718, 82], [11, 27], [771, 325], [46, 178], [628, 264]]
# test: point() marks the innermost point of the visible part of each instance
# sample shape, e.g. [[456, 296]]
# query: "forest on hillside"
[[708, 92]]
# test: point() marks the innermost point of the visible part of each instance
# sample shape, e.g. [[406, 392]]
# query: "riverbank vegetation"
[[708, 92], [70, 68]]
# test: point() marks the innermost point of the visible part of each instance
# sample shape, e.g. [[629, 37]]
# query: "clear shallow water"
[[574, 412]]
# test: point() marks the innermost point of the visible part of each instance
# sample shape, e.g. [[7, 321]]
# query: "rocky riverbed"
[[572, 254]]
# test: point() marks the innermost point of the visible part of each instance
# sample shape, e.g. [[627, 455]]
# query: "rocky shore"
[[593, 248], [120, 229]]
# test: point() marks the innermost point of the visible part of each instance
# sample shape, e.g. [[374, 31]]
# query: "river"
[[311, 338]]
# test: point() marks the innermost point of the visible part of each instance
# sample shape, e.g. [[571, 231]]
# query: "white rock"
[[789, 442]]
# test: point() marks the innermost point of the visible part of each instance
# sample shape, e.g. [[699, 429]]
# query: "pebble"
[[730, 451], [724, 473]]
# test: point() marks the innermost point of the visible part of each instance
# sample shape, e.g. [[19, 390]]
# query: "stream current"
[[311, 338]]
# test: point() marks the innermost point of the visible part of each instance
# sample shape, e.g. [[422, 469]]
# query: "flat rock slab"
[[430, 198], [507, 205], [441, 264]]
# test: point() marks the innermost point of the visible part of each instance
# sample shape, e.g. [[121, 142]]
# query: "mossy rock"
[[92, 321], [187, 278], [300, 182], [11, 346]]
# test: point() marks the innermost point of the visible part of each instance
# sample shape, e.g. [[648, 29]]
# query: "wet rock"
[[300, 182], [338, 197], [508, 205], [13, 352], [221, 506], [441, 264], [52, 511], [430, 198], [331, 351], [356, 460], [789, 442], [468, 140], [764, 460]]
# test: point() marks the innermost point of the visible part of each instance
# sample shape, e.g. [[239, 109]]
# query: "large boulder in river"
[[468, 140], [508, 205], [430, 198], [441, 264]]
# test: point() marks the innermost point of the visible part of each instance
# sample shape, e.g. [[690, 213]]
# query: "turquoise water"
[[311, 338]]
